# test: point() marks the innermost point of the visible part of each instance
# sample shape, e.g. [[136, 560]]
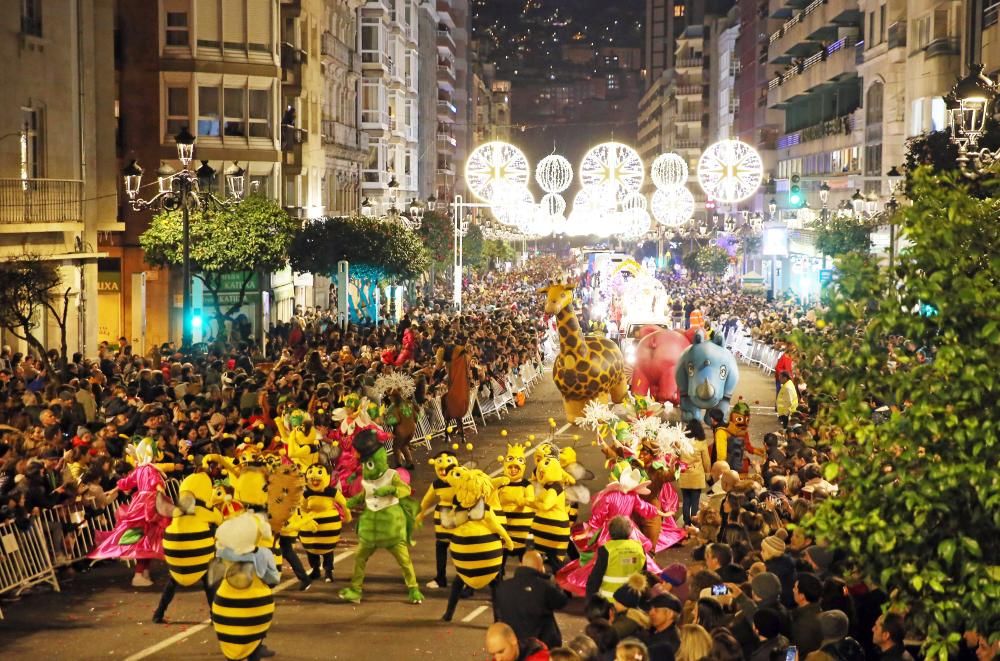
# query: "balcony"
[[943, 46], [689, 117], [374, 120], [292, 59], [835, 62], [689, 63], [446, 168], [446, 71], [446, 111], [40, 205], [831, 135], [291, 8], [818, 21], [291, 136], [342, 135], [335, 49], [446, 140], [897, 35], [687, 143], [689, 90], [444, 38]]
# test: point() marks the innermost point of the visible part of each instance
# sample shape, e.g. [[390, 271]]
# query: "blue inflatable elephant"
[[707, 374]]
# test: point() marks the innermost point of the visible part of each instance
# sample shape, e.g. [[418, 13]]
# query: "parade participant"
[[516, 497], [189, 541], [140, 524], [325, 506], [387, 518], [243, 606], [478, 540], [617, 559], [550, 527], [439, 496]]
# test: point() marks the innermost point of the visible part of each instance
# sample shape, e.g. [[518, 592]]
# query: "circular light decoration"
[[730, 171], [669, 170], [614, 167], [554, 174], [632, 224], [634, 201], [552, 204], [493, 164], [513, 205], [673, 207]]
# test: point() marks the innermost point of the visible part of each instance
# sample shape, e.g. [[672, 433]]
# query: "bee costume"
[[516, 497], [189, 541], [550, 528], [440, 496], [323, 504]]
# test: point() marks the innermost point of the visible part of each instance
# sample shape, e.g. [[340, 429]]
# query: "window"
[[873, 160], [679, 11], [177, 32], [235, 109], [209, 117], [178, 110], [260, 113], [873, 104], [31, 143], [871, 29], [939, 114], [882, 23], [916, 117], [922, 31], [941, 24], [31, 17], [612, 81]]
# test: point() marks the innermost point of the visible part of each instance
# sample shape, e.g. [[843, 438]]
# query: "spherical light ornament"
[[494, 163], [554, 174], [730, 171], [669, 170], [673, 206], [615, 166], [513, 204], [552, 204], [560, 225], [634, 201]]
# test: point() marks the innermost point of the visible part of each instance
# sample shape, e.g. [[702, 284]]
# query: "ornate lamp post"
[[970, 104], [182, 190]]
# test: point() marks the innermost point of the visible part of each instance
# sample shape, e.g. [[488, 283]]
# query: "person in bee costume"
[[189, 541], [550, 527], [243, 606], [517, 498], [387, 519], [326, 507], [439, 496], [478, 540]]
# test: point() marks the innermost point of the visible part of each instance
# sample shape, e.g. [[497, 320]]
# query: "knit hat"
[[772, 547], [766, 586], [676, 575], [666, 600], [768, 622], [834, 625], [821, 556], [630, 595]]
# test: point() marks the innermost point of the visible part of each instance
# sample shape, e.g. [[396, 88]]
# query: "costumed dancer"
[[302, 442], [622, 497], [478, 540], [550, 527], [455, 403], [355, 415], [243, 606], [439, 496], [661, 467], [400, 413], [189, 541], [325, 505], [387, 519], [140, 523], [517, 498]]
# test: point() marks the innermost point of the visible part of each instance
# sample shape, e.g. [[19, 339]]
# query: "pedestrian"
[[664, 637], [888, 634], [787, 401], [529, 600], [806, 632], [767, 628], [696, 643], [616, 560], [837, 642], [502, 645], [696, 462], [632, 649]]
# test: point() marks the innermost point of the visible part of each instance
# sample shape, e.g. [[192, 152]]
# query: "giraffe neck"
[[570, 335]]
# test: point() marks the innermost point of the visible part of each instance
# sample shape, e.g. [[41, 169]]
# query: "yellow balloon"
[[576, 437], [503, 432], [531, 437], [428, 437], [594, 443], [454, 446], [468, 446]]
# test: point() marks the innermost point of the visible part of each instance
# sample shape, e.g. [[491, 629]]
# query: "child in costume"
[[439, 496], [189, 541], [324, 505], [478, 540], [243, 606], [141, 523], [517, 498], [387, 519]]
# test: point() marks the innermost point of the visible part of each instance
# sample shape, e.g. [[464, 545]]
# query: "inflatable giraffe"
[[586, 368]]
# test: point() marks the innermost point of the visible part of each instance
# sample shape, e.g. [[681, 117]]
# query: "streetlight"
[[772, 207], [181, 190], [858, 203], [824, 194], [891, 207], [969, 107], [871, 203], [367, 208]]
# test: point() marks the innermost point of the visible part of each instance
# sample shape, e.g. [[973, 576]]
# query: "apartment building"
[[389, 101], [58, 172]]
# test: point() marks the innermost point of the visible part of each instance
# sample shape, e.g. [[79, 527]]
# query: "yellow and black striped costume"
[[189, 544], [516, 501], [550, 527], [444, 494], [477, 551], [241, 618], [321, 506]]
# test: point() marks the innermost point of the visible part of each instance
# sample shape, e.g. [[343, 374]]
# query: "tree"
[[841, 233], [472, 248], [374, 247], [250, 237], [496, 250], [437, 234], [712, 259], [29, 286], [919, 509]]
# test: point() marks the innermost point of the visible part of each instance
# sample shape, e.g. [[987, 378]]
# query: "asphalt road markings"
[[475, 613], [183, 635], [531, 451]]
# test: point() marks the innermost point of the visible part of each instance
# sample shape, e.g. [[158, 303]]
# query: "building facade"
[[58, 172]]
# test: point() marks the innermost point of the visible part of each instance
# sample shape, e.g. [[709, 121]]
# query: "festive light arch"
[[673, 206], [669, 170], [554, 174], [730, 171], [613, 167], [492, 165]]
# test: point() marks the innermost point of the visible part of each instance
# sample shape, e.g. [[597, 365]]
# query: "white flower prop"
[[596, 415], [646, 427], [673, 439], [404, 383], [630, 481]]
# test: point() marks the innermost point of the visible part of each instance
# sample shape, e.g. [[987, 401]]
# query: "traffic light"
[[196, 319], [796, 200], [710, 205]]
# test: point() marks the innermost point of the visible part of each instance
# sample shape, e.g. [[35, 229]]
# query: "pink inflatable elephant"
[[656, 358]]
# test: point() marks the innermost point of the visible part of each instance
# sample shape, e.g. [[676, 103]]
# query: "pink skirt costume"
[[670, 532], [606, 506], [138, 532]]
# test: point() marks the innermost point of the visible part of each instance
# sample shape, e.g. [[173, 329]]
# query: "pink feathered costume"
[[140, 514], [608, 504]]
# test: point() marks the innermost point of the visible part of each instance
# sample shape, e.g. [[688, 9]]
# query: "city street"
[[99, 616]]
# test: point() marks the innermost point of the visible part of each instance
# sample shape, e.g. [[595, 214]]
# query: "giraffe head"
[[558, 295]]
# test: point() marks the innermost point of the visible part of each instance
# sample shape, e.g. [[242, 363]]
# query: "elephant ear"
[[698, 337]]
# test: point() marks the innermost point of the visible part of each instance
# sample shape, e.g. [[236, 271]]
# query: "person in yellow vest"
[[617, 560], [787, 401]]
